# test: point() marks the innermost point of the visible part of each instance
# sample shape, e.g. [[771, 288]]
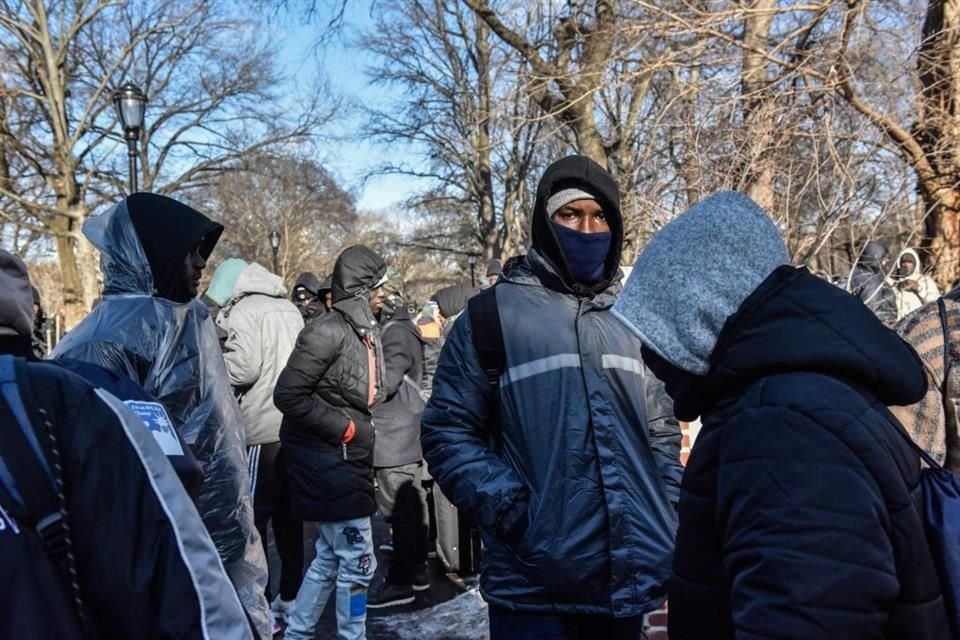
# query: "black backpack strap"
[[31, 478], [488, 341]]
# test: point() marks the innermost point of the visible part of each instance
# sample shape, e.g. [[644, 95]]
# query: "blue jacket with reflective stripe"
[[576, 510]]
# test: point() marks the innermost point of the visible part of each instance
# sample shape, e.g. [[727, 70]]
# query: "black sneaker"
[[421, 581], [389, 595]]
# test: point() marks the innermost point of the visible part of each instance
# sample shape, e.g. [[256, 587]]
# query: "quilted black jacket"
[[324, 386]]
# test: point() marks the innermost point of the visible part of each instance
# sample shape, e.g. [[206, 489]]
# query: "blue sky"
[[343, 66]]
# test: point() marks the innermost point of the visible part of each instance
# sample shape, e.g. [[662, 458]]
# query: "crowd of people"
[[145, 460]]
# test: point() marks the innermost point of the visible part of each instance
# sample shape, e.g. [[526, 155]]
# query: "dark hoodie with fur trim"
[[334, 377]]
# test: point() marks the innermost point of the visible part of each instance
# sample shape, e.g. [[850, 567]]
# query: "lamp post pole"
[[130, 101], [472, 259], [275, 246]]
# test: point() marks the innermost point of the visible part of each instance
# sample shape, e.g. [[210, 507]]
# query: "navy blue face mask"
[[585, 253]]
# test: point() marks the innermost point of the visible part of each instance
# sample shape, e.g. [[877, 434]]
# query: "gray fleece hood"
[[695, 273], [256, 279]]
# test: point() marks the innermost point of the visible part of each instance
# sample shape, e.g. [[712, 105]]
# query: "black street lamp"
[[472, 259], [130, 102], [275, 245]]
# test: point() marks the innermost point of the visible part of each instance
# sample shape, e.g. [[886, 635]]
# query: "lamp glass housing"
[[130, 102]]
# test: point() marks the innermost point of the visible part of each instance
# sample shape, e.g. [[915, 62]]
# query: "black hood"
[[796, 322], [356, 272], [578, 171], [308, 281], [168, 230], [453, 300]]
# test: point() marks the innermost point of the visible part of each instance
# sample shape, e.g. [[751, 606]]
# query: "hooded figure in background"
[[494, 269], [151, 329], [397, 457], [311, 295], [912, 287], [868, 281], [451, 301], [801, 505], [573, 476], [326, 393]]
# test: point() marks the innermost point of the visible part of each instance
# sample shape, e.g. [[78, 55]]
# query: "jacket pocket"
[[360, 447]]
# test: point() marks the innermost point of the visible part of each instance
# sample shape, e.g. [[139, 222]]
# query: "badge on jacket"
[[154, 415]]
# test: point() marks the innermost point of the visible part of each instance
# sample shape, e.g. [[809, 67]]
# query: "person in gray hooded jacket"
[[261, 326], [801, 505], [575, 504]]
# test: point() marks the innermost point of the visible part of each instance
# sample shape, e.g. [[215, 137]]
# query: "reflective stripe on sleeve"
[[221, 614]]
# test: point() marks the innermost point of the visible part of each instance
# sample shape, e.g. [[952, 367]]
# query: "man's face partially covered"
[[191, 272], [585, 216]]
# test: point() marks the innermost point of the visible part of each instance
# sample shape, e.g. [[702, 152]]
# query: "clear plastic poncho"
[[172, 351]]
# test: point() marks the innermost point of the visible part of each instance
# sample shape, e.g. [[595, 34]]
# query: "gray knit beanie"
[[695, 273], [16, 297]]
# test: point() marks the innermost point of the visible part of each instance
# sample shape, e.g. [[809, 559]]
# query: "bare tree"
[[463, 113], [210, 80], [298, 198]]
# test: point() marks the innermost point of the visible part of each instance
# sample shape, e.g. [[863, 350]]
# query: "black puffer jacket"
[[800, 511], [398, 418], [327, 383]]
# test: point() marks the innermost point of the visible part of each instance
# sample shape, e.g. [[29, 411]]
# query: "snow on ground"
[[462, 618]]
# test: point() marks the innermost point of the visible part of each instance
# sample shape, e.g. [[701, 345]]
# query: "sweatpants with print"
[[270, 505], [345, 563]]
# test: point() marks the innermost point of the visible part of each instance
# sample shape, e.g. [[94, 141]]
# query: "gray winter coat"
[[575, 511], [262, 328], [398, 417]]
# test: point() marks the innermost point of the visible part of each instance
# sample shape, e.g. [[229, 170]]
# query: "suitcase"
[[458, 540]]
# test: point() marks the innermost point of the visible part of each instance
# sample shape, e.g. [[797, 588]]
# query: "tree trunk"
[[938, 133], [77, 257], [489, 229], [755, 172], [942, 227]]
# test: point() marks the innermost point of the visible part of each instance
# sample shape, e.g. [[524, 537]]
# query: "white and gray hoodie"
[[262, 327]]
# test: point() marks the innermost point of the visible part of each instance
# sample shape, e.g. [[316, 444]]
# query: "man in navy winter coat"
[[575, 506], [144, 564], [800, 510]]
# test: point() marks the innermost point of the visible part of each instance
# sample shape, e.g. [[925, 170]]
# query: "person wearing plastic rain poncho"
[[150, 328]]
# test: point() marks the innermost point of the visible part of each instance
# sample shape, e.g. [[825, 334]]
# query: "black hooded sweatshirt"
[[452, 300], [328, 382], [315, 289], [169, 230], [578, 172]]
